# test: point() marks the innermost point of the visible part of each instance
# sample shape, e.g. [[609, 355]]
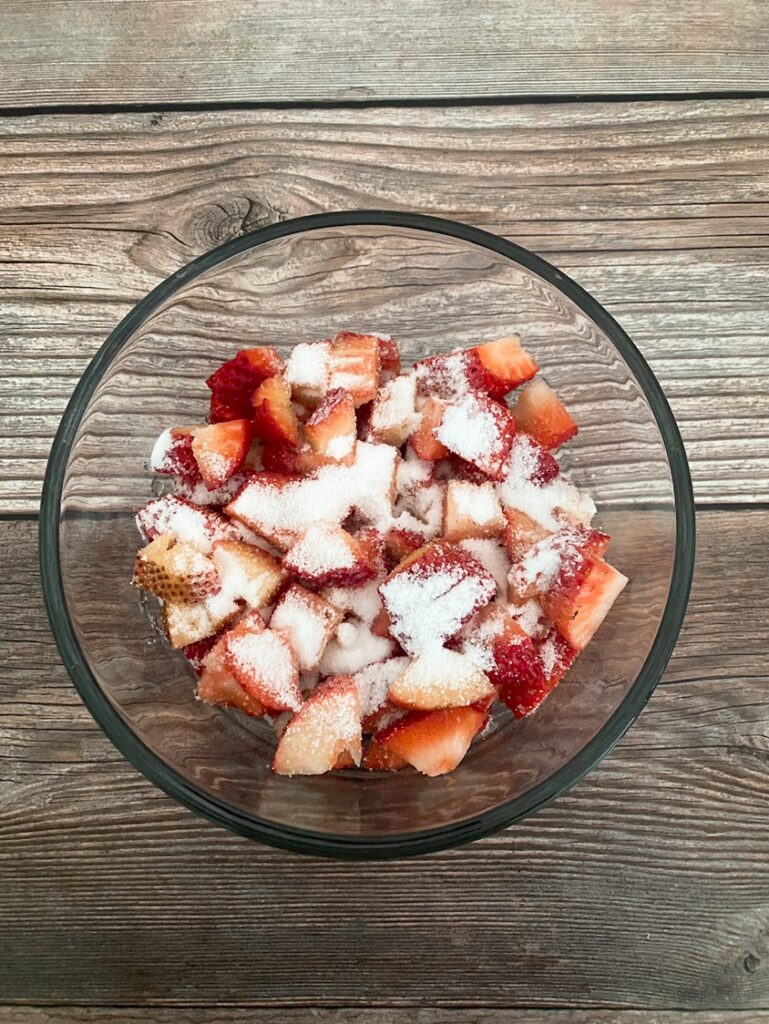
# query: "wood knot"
[[751, 963], [229, 218]]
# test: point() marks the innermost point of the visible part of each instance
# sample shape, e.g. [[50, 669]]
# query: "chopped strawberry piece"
[[433, 593], [480, 431], [175, 571], [186, 624], [389, 358], [309, 622], [507, 363], [248, 572], [220, 450], [264, 663], [328, 555], [307, 370], [424, 440], [439, 678], [554, 568], [218, 685], [380, 759], [233, 384], [381, 624], [597, 592], [471, 510], [354, 365], [327, 726], [173, 456], [394, 414], [453, 375], [400, 543], [459, 469], [290, 461], [521, 533], [196, 653], [189, 523], [373, 544], [434, 742], [332, 429], [540, 413], [274, 417]]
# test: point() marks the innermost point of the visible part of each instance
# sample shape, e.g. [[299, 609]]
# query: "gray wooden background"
[[626, 141]]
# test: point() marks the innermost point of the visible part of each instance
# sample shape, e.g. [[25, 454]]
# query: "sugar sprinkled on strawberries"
[[268, 656], [492, 557], [356, 648], [374, 681]]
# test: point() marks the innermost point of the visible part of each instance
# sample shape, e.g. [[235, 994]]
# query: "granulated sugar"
[[361, 648], [492, 556], [528, 616], [308, 621], [440, 678], [362, 601], [266, 658], [196, 526], [477, 502], [468, 429], [308, 367], [543, 564], [321, 549]]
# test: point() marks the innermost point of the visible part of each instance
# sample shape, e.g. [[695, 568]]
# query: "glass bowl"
[[433, 284]]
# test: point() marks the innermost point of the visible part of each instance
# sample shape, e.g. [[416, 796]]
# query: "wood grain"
[[659, 209], [644, 888], [195, 51], [285, 1015]]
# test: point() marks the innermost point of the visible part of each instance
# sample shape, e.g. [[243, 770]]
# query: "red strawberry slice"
[[423, 440], [188, 522], [452, 375], [439, 678], [389, 358], [540, 413], [327, 555], [433, 593], [233, 384], [173, 456], [196, 653], [380, 759], [274, 417], [434, 742], [218, 685], [554, 568], [332, 429], [478, 430], [521, 533], [373, 544], [354, 365], [507, 363], [327, 726], [264, 663], [597, 592], [458, 469], [400, 543], [518, 674], [220, 450]]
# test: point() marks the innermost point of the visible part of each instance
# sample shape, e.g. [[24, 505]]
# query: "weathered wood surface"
[[198, 51], [659, 209], [644, 888], [286, 1015]]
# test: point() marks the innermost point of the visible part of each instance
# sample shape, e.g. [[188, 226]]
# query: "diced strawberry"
[[249, 573], [394, 410], [521, 533], [218, 685], [220, 450], [452, 375], [354, 365], [331, 431], [188, 522], [327, 726], [381, 624], [264, 663], [471, 510], [274, 417], [389, 358], [233, 384], [507, 362], [309, 621], [186, 624], [307, 370], [290, 461], [598, 591], [540, 413], [433, 593], [459, 469], [400, 543], [196, 653], [557, 656], [423, 440], [479, 430], [380, 759], [175, 571], [363, 416], [434, 742], [373, 544], [327, 555], [439, 678], [553, 569], [173, 456]]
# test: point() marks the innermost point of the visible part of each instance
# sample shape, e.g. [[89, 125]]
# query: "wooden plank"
[[285, 1015], [656, 208], [646, 887], [195, 51]]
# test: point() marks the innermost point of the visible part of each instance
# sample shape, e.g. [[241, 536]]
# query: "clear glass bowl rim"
[[328, 844]]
